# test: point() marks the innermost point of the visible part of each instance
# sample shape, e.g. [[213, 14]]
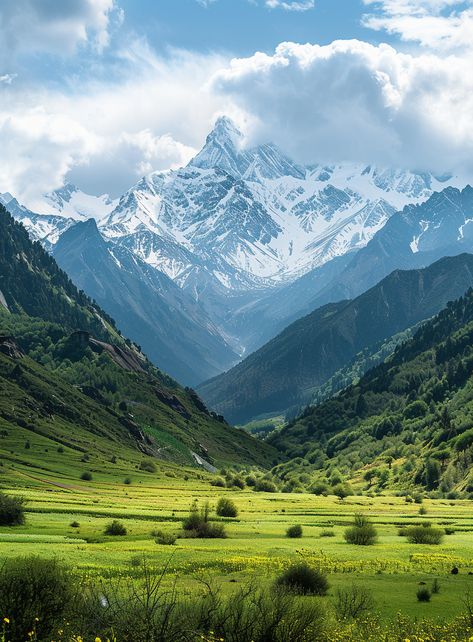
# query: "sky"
[[101, 92]]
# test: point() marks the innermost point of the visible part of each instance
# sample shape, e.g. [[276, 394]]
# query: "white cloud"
[[105, 135], [354, 101], [438, 24], [8, 78], [59, 27], [302, 5]]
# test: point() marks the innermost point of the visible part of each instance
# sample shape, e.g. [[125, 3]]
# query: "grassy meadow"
[[256, 547]]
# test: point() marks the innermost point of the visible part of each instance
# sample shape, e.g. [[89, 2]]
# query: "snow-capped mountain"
[[57, 211], [255, 239], [70, 202], [253, 217]]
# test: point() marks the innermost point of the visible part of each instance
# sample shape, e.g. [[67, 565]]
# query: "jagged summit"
[[222, 148]]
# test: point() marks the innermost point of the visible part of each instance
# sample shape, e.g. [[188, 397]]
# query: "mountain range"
[[68, 375], [221, 255], [288, 370]]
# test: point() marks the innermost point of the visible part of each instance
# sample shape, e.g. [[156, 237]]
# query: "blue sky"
[[242, 27], [101, 92]]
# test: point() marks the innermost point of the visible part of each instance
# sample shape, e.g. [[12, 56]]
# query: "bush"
[[342, 490], [353, 602], [127, 481], [424, 535], [265, 486], [115, 528], [250, 480], [86, 476], [74, 524], [435, 587], [12, 511], [30, 588], [319, 488], [226, 508], [148, 466], [362, 533], [219, 482], [294, 531], [165, 539], [301, 578], [423, 594], [197, 524]]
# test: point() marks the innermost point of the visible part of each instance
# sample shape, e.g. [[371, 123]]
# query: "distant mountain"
[[406, 425], [256, 239], [414, 237], [271, 219], [287, 370], [68, 376], [148, 306]]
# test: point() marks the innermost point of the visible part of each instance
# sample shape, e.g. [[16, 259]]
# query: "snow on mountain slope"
[[70, 202], [239, 218], [253, 218]]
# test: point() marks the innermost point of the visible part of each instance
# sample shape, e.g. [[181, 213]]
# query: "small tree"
[[301, 578], [226, 508], [362, 533], [115, 528], [12, 510], [294, 531]]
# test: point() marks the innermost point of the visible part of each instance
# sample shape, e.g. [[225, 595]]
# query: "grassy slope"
[[174, 418]]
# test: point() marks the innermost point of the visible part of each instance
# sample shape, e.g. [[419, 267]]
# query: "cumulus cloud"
[[354, 101], [439, 24], [106, 135], [52, 26]]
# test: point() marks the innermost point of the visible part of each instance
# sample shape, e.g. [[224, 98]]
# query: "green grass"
[[257, 545]]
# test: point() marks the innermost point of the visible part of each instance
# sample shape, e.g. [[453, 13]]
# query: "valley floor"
[[256, 547]]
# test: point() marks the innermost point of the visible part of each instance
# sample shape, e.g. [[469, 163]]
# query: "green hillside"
[[409, 421], [289, 370], [71, 378]]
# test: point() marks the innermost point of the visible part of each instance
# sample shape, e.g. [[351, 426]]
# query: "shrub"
[[319, 488], [250, 480], [424, 535], [165, 539], [86, 476], [197, 524], [115, 528], [301, 578], [422, 510], [423, 594], [435, 587], [353, 602], [362, 533], [238, 482], [30, 588], [12, 510], [74, 524], [294, 531], [265, 486], [127, 481], [226, 508], [342, 490], [148, 466], [219, 482]]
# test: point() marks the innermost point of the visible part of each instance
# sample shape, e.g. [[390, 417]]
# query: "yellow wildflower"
[[6, 620]]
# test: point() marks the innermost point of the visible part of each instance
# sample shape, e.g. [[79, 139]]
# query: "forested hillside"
[[408, 422], [292, 368], [69, 370]]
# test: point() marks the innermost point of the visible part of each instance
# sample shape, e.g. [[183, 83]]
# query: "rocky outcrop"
[[10, 348]]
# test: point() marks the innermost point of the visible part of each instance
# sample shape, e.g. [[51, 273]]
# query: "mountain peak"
[[222, 148]]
